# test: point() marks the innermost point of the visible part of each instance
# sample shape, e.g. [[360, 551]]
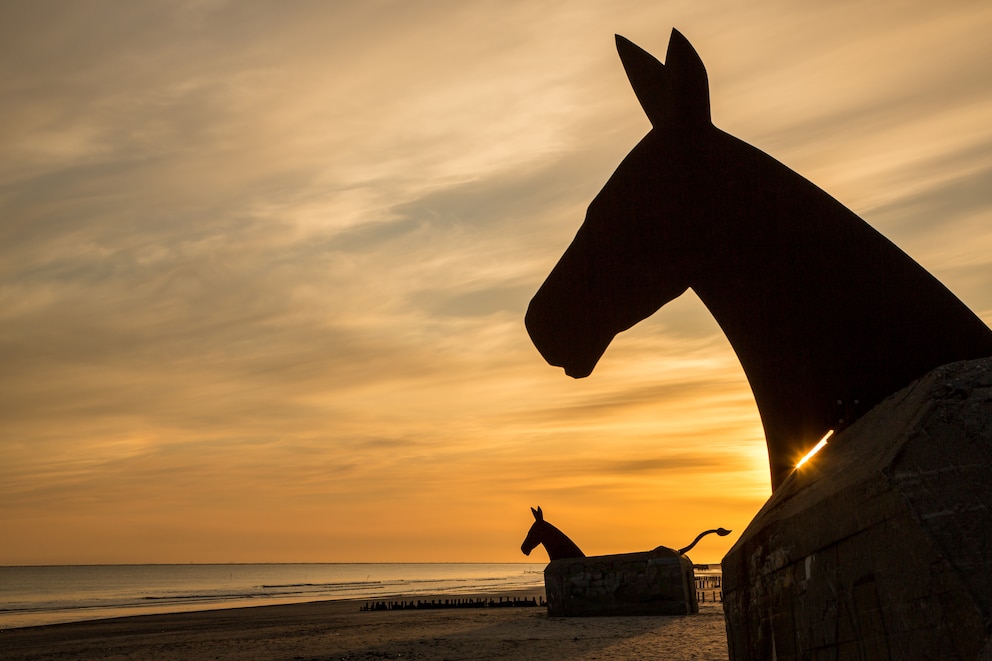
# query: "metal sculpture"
[[720, 532], [560, 546], [657, 582], [826, 315], [555, 542]]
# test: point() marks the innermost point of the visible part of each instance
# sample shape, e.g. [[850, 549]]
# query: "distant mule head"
[[638, 247], [555, 542]]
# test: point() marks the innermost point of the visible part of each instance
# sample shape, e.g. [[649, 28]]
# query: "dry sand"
[[334, 630]]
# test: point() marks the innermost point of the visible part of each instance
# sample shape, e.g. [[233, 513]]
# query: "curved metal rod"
[[722, 532]]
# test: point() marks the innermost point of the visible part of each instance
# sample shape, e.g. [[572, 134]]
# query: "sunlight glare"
[[816, 448]]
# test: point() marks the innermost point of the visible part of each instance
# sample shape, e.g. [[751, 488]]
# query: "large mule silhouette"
[[826, 315]]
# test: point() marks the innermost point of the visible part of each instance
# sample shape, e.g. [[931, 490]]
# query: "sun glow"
[[290, 337], [816, 448]]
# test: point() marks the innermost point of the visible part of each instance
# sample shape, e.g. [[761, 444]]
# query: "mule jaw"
[[564, 343]]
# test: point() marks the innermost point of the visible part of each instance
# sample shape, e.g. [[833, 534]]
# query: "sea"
[[32, 596]]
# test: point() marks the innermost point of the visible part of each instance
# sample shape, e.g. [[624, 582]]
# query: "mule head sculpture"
[[825, 314], [555, 542], [636, 250]]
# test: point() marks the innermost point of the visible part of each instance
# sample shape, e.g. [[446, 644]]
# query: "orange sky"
[[263, 267]]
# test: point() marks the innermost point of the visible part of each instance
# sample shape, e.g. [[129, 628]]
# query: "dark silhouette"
[[556, 543], [826, 315], [722, 532]]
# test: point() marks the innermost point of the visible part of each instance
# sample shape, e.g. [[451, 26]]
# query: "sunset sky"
[[264, 266]]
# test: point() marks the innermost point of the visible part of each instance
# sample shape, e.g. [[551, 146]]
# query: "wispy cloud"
[[263, 268]]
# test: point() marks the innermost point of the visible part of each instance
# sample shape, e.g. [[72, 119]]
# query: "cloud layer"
[[264, 267]]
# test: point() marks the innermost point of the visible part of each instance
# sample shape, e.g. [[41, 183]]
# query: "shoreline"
[[35, 596], [339, 629], [129, 612]]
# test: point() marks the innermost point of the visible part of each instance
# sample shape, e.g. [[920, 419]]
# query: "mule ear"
[[538, 514], [690, 87], [648, 78]]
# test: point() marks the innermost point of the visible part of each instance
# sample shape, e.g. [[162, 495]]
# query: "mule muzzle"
[[568, 344]]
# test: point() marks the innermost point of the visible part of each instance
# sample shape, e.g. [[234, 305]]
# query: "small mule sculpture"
[[558, 545], [825, 314]]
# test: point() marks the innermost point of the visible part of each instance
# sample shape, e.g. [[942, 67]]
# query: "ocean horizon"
[[33, 595]]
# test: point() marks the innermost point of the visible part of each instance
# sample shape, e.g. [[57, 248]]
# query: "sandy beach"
[[334, 630]]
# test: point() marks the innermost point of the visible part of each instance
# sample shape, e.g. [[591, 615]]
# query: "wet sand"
[[334, 630]]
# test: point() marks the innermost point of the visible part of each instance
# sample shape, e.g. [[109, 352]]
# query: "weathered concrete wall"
[[881, 546], [659, 582]]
